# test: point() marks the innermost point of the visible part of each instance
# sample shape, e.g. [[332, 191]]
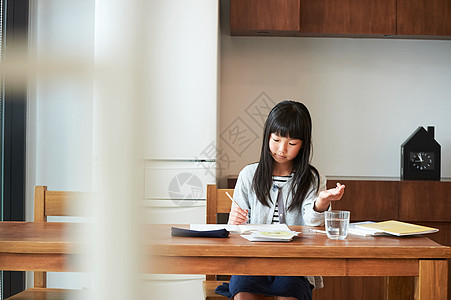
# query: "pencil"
[[317, 231], [230, 197]]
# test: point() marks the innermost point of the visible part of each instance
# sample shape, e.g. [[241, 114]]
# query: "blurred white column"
[[114, 242], [143, 59]]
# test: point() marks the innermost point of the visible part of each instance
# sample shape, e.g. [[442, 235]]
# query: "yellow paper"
[[399, 228]]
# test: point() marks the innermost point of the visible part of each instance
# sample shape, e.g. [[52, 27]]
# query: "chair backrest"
[[54, 203], [217, 202]]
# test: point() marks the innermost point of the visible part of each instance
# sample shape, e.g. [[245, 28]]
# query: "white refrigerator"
[[181, 118]]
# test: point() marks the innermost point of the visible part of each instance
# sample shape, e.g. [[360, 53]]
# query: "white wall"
[[366, 96]]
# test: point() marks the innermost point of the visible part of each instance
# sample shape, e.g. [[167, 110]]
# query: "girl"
[[281, 188]]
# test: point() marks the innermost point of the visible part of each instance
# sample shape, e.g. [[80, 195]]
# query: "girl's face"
[[284, 149]]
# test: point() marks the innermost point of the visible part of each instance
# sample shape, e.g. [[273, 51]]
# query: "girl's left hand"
[[327, 196]]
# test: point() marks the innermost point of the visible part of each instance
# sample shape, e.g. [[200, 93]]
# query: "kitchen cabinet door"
[[424, 17], [355, 17], [264, 17]]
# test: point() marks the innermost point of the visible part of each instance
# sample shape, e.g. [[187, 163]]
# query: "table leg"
[[433, 280]]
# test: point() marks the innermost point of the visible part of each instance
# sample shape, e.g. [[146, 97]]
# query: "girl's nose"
[[282, 147]]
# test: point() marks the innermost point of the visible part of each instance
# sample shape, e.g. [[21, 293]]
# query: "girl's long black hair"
[[287, 119]]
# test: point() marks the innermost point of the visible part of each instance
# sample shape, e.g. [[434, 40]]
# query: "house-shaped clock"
[[420, 156]]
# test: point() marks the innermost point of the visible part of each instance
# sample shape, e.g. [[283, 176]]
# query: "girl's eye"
[[275, 140], [293, 144]]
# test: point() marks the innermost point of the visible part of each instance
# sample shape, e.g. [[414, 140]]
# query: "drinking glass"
[[337, 223]]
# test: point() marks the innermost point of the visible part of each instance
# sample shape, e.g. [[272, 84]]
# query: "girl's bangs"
[[285, 128]]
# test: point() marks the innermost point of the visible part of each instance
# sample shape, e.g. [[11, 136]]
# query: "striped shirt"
[[278, 181]]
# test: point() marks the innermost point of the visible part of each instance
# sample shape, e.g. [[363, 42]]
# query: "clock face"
[[422, 161]]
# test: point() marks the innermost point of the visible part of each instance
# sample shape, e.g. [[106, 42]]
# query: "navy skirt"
[[285, 286]]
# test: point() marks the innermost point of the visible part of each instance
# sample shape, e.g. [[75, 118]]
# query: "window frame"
[[15, 22]]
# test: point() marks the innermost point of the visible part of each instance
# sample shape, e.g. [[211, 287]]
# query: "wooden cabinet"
[[425, 201], [357, 17], [263, 17], [424, 17], [351, 288], [354, 18], [368, 199]]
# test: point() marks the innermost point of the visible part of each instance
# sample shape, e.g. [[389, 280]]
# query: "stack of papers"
[[270, 236], [354, 228], [253, 232], [397, 228]]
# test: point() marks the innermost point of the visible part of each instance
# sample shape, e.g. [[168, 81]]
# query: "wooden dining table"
[[47, 247]]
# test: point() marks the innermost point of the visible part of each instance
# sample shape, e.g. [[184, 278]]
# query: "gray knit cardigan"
[[261, 214]]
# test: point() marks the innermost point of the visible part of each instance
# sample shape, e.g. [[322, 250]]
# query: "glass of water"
[[337, 223]]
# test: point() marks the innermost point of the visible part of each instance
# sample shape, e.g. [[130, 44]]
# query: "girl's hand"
[[327, 196], [238, 216]]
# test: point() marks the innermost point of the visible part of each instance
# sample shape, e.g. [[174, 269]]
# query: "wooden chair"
[[52, 203], [217, 203]]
